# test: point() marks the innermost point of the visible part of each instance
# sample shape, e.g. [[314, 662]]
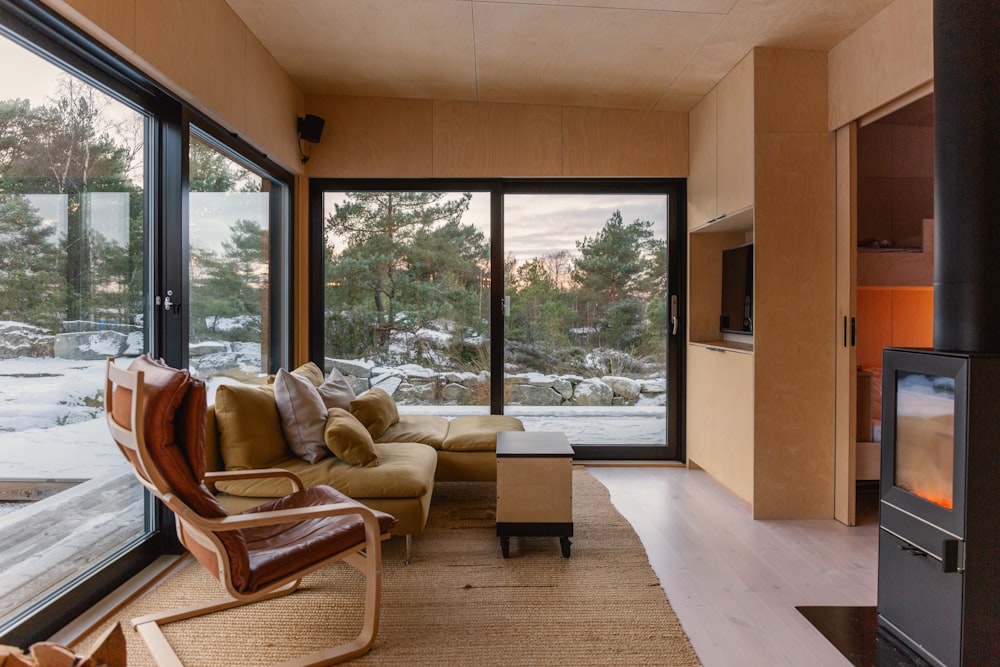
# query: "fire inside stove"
[[925, 436]]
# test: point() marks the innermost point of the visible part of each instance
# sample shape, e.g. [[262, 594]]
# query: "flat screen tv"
[[737, 290]]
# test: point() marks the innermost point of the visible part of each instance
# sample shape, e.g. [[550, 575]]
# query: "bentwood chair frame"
[[201, 534]]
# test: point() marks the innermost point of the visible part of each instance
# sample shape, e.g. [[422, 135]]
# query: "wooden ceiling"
[[628, 54]]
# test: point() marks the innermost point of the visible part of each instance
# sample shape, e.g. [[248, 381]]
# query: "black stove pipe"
[[967, 175]]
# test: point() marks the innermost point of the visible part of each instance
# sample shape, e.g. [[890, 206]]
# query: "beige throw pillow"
[[376, 410], [348, 439], [336, 392], [303, 415]]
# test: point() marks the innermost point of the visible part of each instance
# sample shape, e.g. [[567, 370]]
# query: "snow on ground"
[[52, 423], [44, 392]]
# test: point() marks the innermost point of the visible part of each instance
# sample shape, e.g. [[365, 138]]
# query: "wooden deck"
[[48, 542]]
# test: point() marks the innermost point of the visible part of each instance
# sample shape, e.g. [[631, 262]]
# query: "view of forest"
[[407, 275], [399, 263], [66, 259]]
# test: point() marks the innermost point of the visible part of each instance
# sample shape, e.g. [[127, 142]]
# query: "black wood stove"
[[939, 537]]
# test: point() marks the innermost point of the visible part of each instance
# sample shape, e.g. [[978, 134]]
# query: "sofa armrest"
[[228, 475]]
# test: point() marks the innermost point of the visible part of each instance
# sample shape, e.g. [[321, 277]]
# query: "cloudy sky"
[[539, 225], [24, 74], [535, 225]]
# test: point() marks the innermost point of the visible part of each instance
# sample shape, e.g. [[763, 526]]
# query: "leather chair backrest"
[[174, 422]]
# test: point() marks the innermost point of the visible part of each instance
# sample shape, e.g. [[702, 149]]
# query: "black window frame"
[[47, 34], [676, 191]]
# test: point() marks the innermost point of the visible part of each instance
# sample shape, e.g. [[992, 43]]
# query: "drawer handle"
[[914, 551]]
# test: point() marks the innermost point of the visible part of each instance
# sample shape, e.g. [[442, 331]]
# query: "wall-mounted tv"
[[737, 290]]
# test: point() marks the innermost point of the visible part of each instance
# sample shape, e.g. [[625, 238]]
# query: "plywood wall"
[[374, 137], [889, 56], [201, 51]]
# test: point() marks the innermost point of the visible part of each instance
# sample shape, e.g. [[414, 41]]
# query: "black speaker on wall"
[[311, 128]]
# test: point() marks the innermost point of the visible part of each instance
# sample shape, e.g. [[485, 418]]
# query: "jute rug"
[[458, 603]]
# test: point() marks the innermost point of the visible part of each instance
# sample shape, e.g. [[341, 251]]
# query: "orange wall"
[[893, 317]]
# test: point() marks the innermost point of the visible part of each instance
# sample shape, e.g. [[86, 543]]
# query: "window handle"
[[169, 304]]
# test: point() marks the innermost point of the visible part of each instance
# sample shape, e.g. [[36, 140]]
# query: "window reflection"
[[229, 267], [72, 292]]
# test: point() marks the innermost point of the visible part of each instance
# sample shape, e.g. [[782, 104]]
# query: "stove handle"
[[953, 556]]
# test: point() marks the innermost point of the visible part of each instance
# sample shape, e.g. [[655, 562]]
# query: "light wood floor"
[[735, 582]]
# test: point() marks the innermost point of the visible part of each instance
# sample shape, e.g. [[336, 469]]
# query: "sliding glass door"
[[232, 220], [74, 216], [129, 223], [551, 301], [406, 295], [587, 316]]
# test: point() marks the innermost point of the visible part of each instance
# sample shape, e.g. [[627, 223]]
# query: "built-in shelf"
[[725, 345], [738, 221]]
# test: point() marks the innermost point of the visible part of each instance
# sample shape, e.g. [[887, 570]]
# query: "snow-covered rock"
[[627, 388], [90, 344], [593, 392]]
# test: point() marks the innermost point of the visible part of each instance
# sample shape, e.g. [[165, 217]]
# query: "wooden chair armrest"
[[373, 534], [228, 475]]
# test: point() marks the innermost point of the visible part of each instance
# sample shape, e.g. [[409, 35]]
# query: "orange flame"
[[946, 503]]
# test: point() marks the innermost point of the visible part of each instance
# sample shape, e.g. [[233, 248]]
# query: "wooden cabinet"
[[702, 161], [720, 432], [720, 163], [735, 139], [760, 409]]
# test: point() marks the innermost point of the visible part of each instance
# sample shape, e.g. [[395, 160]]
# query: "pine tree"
[[31, 285]]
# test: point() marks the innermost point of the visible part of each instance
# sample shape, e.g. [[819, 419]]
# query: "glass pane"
[[586, 333], [71, 294], [229, 228], [407, 304], [925, 436]]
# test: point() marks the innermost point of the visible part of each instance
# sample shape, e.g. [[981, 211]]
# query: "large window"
[[229, 213], [549, 301], [586, 300], [129, 223], [407, 295], [73, 220]]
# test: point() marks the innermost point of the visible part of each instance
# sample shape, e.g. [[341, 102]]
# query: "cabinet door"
[[720, 416], [702, 162], [736, 138]]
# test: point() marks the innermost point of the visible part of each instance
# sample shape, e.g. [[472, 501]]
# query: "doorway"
[[893, 260]]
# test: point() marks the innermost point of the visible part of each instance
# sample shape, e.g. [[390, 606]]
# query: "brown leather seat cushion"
[[276, 551]]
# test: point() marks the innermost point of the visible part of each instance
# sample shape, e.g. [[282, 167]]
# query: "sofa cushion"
[[249, 425], [336, 392], [404, 470], [428, 429], [348, 439], [476, 433], [303, 415], [376, 410], [311, 372]]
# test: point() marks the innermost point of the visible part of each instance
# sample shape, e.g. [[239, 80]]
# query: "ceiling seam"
[[475, 52]]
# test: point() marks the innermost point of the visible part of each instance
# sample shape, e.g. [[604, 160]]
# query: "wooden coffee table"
[[534, 487]]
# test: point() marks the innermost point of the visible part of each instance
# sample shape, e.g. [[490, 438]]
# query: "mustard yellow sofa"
[[405, 455]]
